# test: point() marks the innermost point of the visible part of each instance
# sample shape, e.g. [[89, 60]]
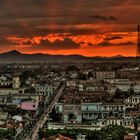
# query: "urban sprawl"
[[46, 101]]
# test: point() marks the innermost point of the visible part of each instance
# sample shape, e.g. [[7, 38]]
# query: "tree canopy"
[[108, 133]]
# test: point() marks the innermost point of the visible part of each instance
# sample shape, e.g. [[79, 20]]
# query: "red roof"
[[59, 137], [31, 106]]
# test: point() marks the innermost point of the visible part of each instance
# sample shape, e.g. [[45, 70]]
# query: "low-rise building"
[[105, 74], [44, 89]]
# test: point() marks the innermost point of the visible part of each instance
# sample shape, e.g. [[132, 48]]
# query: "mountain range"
[[15, 56]]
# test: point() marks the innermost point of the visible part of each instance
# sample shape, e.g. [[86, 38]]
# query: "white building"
[[124, 86], [105, 74], [44, 89], [6, 91], [90, 111], [135, 99], [16, 82], [136, 86], [73, 109]]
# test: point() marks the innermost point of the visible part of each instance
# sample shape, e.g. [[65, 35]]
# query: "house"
[[114, 121], [30, 106], [72, 113], [90, 111], [105, 74], [16, 81], [6, 91], [135, 99], [130, 136], [80, 137], [136, 86], [124, 86], [71, 83], [3, 118], [113, 107], [59, 107], [44, 89]]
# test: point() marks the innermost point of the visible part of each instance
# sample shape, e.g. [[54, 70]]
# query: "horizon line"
[[118, 55]]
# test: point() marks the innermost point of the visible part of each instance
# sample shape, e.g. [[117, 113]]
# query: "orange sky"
[[85, 27], [119, 43]]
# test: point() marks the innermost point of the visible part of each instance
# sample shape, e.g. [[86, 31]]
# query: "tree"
[[55, 116], [72, 117], [25, 75], [90, 74], [7, 134], [111, 132], [13, 110], [121, 94], [82, 76], [41, 133], [72, 68]]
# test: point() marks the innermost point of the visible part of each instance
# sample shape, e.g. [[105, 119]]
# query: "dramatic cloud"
[[80, 19], [107, 44], [103, 17], [113, 38], [66, 44], [5, 42], [90, 44]]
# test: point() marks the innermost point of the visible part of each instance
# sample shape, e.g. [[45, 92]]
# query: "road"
[[34, 133]]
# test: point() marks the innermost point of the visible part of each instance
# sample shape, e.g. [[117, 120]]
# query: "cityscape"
[[70, 70]]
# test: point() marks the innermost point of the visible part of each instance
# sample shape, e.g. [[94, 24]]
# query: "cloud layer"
[[65, 44], [30, 19]]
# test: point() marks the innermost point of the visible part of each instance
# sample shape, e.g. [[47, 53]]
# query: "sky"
[[85, 27]]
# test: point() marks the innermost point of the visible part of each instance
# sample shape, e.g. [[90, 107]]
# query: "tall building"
[[16, 82], [138, 43]]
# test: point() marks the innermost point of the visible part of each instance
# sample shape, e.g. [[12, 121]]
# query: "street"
[[34, 132]]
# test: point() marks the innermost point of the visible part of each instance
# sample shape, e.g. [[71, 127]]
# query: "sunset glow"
[[82, 27]]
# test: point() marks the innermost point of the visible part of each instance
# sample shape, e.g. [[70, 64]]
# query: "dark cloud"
[[107, 44], [113, 38], [5, 42], [28, 15], [90, 44], [65, 44], [129, 43], [82, 42], [27, 43], [29, 18], [103, 17]]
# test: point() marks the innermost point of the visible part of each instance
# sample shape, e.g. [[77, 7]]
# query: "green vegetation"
[[71, 117], [25, 75], [13, 110], [55, 116], [7, 134], [108, 133], [121, 94], [72, 68]]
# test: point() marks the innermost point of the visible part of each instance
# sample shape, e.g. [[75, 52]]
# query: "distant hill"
[[16, 57]]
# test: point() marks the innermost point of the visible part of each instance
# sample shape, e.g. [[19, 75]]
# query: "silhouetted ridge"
[[13, 52]]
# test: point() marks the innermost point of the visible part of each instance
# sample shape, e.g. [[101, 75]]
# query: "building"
[[130, 136], [16, 82], [80, 137], [44, 89], [105, 74], [136, 86], [90, 111], [72, 113], [59, 137]]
